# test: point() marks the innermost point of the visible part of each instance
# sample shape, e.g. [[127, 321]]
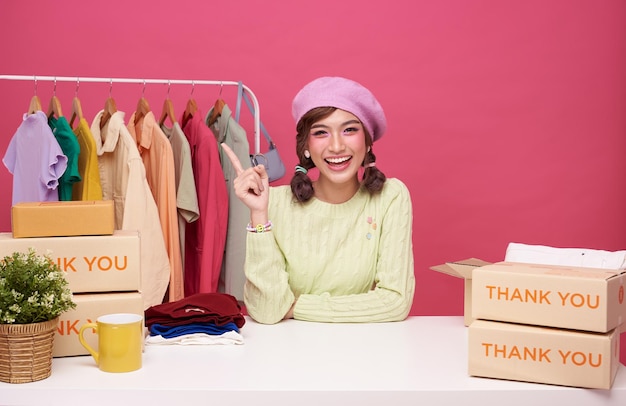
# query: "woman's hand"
[[289, 314], [251, 187]]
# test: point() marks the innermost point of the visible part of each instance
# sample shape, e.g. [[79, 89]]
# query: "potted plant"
[[33, 293]]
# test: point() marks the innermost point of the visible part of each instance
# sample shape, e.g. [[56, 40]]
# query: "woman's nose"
[[336, 143]]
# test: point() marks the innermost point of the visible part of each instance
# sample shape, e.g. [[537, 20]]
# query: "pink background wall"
[[506, 118]]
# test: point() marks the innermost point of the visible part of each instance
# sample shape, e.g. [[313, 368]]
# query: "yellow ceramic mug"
[[120, 341]]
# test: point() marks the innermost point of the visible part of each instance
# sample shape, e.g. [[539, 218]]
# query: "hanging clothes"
[[226, 129], [186, 194], [69, 144], [123, 179], [36, 161], [158, 159], [89, 188], [206, 238]]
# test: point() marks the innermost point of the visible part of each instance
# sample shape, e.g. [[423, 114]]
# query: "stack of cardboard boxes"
[[101, 264], [542, 323]]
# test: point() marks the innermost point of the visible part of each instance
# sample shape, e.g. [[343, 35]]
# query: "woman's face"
[[337, 146]]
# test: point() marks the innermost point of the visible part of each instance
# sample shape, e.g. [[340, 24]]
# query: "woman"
[[337, 249]]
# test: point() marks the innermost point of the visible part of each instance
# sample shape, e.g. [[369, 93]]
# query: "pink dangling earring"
[[307, 154]]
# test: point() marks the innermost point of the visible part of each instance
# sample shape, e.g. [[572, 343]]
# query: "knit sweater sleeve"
[[267, 294], [394, 283]]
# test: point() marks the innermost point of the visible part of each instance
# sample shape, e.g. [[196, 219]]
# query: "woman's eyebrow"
[[342, 124]]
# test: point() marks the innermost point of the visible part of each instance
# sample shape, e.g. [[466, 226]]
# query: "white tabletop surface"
[[422, 360]]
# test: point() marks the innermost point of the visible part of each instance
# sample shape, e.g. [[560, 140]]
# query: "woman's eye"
[[319, 133], [351, 130]]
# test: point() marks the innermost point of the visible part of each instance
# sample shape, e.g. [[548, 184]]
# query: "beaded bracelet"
[[260, 228]]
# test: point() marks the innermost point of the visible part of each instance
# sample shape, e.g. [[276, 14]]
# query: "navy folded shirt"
[[177, 331]]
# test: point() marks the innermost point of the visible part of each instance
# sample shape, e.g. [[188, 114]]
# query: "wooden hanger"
[[35, 105], [217, 108], [168, 112], [77, 111], [190, 110], [35, 102], [54, 108], [109, 109], [216, 112], [142, 109]]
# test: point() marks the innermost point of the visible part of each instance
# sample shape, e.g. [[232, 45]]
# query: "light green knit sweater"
[[349, 262]]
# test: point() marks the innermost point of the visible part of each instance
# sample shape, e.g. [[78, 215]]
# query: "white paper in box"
[[579, 257], [106, 263]]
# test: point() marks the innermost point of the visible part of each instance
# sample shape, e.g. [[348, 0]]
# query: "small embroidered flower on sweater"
[[372, 224]]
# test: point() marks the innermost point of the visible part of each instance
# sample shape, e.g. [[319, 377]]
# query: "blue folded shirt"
[[191, 328]]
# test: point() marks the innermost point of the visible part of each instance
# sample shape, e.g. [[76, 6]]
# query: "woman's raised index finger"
[[233, 158]]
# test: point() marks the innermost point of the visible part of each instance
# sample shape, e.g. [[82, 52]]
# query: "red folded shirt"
[[217, 308]]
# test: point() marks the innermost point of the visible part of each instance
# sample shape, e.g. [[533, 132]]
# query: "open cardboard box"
[[463, 269], [586, 299]]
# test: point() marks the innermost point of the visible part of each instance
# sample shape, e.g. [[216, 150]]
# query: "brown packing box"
[[587, 299], [88, 308], [91, 263], [59, 219], [542, 354], [463, 269]]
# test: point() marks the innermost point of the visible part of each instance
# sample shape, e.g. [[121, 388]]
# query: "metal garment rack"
[[79, 79]]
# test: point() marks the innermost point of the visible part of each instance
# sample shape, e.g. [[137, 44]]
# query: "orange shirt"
[[186, 194], [158, 158]]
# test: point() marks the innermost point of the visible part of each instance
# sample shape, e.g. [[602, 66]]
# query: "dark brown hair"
[[301, 185]]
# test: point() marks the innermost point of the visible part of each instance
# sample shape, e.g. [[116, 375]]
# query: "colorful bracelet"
[[260, 228]]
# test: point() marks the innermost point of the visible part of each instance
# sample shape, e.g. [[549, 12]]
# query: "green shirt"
[[349, 262], [69, 145]]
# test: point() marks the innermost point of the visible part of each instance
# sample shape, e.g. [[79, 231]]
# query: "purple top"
[[36, 161]]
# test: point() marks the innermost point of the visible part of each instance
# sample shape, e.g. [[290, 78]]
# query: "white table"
[[421, 361]]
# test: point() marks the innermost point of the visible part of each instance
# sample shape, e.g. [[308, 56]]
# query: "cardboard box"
[[88, 308], [463, 269], [543, 355], [91, 263], [588, 299], [60, 219]]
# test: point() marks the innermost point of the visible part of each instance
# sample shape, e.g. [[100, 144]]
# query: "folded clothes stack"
[[202, 318]]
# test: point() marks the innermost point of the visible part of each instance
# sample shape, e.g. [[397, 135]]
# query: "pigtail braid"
[[373, 178], [301, 184]]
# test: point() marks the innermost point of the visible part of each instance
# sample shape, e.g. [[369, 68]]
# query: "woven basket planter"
[[26, 351]]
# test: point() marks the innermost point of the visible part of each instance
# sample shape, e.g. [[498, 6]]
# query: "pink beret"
[[344, 94]]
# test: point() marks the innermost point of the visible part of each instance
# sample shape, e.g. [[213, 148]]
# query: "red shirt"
[[205, 239]]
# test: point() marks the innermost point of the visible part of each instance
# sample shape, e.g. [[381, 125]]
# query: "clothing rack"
[[79, 79]]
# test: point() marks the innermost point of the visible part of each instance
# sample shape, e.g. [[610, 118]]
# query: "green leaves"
[[32, 289]]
